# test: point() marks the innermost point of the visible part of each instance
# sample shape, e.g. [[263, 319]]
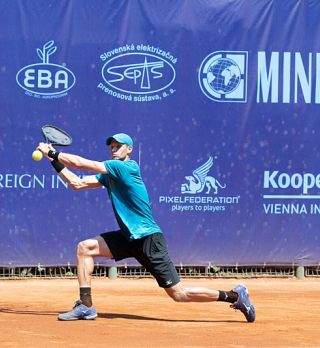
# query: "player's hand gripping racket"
[[54, 136]]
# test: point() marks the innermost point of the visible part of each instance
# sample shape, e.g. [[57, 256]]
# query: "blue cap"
[[121, 138]]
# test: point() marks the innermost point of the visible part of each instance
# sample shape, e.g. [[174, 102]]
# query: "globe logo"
[[223, 75]]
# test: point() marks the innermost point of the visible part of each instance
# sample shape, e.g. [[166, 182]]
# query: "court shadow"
[[27, 311], [140, 317], [114, 316]]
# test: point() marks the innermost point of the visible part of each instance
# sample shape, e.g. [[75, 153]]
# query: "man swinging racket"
[[139, 236]]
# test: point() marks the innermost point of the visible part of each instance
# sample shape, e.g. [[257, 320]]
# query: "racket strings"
[[57, 136]]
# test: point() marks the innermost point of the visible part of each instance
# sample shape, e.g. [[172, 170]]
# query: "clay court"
[[136, 313]]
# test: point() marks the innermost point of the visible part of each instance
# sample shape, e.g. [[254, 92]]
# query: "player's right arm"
[[77, 183], [77, 162]]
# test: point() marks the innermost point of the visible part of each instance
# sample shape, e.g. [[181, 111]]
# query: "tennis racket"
[[56, 136]]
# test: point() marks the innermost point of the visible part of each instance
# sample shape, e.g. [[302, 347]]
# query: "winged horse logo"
[[200, 180]]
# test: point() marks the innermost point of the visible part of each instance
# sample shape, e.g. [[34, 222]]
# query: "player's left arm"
[[74, 161], [78, 162]]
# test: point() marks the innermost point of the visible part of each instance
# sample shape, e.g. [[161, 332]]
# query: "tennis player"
[[139, 236]]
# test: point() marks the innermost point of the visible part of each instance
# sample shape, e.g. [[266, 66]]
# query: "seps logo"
[[139, 73], [223, 76], [45, 80]]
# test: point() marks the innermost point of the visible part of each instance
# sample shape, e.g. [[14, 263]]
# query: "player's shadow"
[[116, 316], [27, 311], [140, 317]]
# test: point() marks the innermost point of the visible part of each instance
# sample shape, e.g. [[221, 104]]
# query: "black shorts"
[[151, 251]]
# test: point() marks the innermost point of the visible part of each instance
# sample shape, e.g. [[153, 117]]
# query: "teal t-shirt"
[[129, 198]]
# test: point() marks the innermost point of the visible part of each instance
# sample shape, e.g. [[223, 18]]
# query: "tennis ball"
[[37, 155]]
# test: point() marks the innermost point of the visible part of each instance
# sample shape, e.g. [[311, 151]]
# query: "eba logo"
[[45, 79], [223, 76]]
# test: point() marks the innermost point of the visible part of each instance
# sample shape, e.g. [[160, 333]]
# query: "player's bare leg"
[[179, 293], [86, 252], [238, 297]]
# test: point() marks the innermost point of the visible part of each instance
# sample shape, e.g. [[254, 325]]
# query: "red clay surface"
[[137, 313]]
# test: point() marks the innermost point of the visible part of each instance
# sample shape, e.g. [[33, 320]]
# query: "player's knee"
[[178, 295], [82, 248]]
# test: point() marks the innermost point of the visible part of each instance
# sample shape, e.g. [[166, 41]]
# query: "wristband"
[[53, 154], [57, 165]]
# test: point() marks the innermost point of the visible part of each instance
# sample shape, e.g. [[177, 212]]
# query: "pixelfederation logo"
[[201, 180], [201, 193], [46, 80], [223, 76], [139, 73]]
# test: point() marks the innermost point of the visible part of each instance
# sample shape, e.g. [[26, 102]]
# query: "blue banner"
[[221, 98]]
